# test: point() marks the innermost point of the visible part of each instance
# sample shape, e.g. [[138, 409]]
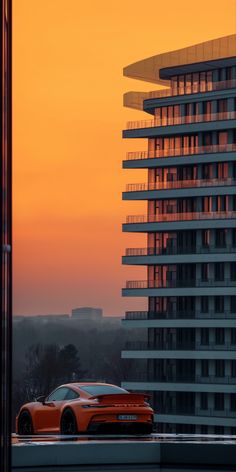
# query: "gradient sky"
[[68, 115]]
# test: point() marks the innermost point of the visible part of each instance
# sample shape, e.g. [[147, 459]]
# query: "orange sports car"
[[86, 407]]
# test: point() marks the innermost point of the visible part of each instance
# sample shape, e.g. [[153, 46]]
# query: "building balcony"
[[211, 379], [130, 284], [181, 120], [147, 320], [178, 315], [177, 346], [176, 250], [192, 89], [177, 152], [218, 413], [178, 254], [183, 287], [179, 184], [187, 216]]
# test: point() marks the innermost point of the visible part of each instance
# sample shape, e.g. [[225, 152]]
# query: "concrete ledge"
[[49, 454], [139, 454], [198, 454]]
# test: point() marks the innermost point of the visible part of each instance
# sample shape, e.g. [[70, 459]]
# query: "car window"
[[58, 395], [102, 389], [71, 395]]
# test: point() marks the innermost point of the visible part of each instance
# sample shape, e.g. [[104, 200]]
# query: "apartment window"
[[233, 401], [219, 271], [204, 368], [204, 401], [220, 237], [209, 80], [206, 204], [221, 203], [223, 138], [233, 199], [219, 335], [207, 139], [219, 368], [204, 272], [229, 73], [233, 335], [233, 304], [233, 270], [219, 304], [222, 105], [195, 88], [205, 304], [205, 237], [205, 336], [202, 81], [219, 430], [233, 368], [207, 109], [222, 170], [219, 401], [204, 429], [207, 171]]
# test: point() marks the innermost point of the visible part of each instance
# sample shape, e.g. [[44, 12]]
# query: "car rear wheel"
[[68, 423], [25, 424]]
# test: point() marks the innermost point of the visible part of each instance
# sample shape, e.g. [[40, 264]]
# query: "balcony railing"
[[194, 88], [173, 345], [216, 413], [143, 284], [176, 152], [188, 216], [178, 378], [179, 184], [181, 120], [153, 315], [178, 250]]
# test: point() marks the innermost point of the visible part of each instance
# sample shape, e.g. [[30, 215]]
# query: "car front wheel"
[[25, 424], [68, 423]]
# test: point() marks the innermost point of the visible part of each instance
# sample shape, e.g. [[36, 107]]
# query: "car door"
[[48, 414]]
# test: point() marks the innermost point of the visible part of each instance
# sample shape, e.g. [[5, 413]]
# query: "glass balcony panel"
[[178, 283], [181, 120], [210, 86], [131, 219], [180, 184]]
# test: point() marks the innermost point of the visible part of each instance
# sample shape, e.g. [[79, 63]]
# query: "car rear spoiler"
[[122, 398]]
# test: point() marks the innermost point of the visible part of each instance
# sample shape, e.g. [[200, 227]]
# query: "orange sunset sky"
[[68, 116]]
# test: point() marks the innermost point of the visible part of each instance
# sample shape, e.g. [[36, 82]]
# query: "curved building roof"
[[159, 68]]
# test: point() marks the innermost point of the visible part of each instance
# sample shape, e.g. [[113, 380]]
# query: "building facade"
[[188, 361]]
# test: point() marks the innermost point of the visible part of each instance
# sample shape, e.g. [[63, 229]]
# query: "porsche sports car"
[[87, 407]]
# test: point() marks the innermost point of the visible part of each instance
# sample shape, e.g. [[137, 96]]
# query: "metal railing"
[[177, 315], [142, 284], [179, 184], [216, 413], [181, 120], [173, 345], [179, 250], [188, 216], [194, 88], [178, 378], [176, 152]]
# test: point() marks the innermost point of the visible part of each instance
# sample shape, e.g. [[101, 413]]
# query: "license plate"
[[127, 417]]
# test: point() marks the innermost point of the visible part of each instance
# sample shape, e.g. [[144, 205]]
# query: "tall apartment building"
[[188, 362]]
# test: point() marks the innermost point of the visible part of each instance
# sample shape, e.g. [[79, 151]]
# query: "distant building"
[[87, 313]]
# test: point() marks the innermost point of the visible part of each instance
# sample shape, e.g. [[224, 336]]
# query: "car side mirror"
[[41, 399]]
